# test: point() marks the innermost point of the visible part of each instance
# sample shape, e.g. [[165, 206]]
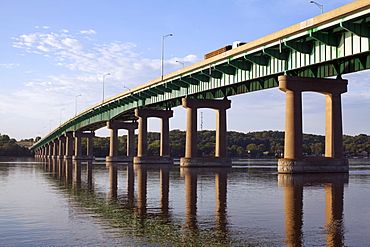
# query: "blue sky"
[[52, 51]]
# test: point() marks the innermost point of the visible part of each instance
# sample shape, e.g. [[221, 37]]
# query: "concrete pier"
[[293, 161], [69, 145], [78, 147], [164, 157], [113, 147], [191, 149]]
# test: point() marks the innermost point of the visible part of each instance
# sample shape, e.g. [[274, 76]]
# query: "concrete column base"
[[205, 162], [312, 165], [152, 160], [82, 157], [119, 158]]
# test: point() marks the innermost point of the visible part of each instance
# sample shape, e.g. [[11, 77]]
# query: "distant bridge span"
[[333, 43]]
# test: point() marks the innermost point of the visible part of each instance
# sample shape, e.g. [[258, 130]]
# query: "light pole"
[[61, 116], [76, 103], [319, 5], [103, 85], [163, 38], [50, 125], [183, 64], [43, 128]]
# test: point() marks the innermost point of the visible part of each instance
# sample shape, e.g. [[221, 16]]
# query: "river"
[[59, 203]]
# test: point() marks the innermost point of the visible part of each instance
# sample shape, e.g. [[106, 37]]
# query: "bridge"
[[295, 59]]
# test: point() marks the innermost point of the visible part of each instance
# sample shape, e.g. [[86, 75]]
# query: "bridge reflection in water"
[[130, 211], [293, 197]]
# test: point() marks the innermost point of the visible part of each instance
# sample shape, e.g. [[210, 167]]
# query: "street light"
[[61, 116], [76, 103], [319, 5], [183, 64], [163, 37], [50, 125], [103, 85]]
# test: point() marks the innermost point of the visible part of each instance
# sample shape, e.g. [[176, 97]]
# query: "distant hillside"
[[9, 147], [252, 144], [239, 145]]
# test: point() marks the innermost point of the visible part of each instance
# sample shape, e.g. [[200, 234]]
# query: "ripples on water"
[[44, 203]]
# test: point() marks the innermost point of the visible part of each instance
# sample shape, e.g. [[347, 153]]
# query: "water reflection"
[[71, 171], [293, 197], [98, 189]]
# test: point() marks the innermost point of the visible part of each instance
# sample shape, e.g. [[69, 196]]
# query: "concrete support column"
[[293, 148], [191, 147], [142, 146], [113, 141], [334, 129], [43, 151], [90, 147], [221, 132], [165, 138], [78, 146], [62, 146], [69, 145], [55, 148], [50, 149], [131, 140]]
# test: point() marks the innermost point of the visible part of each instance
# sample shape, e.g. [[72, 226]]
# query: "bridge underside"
[[332, 44]]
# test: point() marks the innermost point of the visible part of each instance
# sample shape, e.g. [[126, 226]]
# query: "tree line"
[[239, 145]]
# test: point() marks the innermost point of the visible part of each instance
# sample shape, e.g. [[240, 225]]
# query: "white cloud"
[[88, 31], [9, 65]]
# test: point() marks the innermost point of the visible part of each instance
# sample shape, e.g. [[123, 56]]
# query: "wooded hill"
[[239, 145]]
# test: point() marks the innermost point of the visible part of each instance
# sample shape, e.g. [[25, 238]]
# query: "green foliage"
[[9, 147], [239, 145]]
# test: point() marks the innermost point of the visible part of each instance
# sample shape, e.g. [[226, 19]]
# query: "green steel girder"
[[173, 86], [326, 38], [156, 91], [226, 69], [360, 29], [147, 93], [136, 97], [212, 73], [189, 80], [259, 60], [281, 55], [163, 88], [240, 64], [180, 83], [300, 46], [200, 77]]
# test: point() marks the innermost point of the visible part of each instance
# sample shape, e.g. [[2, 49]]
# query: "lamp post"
[[183, 64], [103, 86], [43, 129], [61, 116], [163, 38], [76, 103], [50, 124], [319, 5]]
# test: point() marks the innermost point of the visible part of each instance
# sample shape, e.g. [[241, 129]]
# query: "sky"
[[54, 55]]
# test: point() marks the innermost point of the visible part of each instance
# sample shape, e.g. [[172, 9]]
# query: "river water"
[[54, 203]]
